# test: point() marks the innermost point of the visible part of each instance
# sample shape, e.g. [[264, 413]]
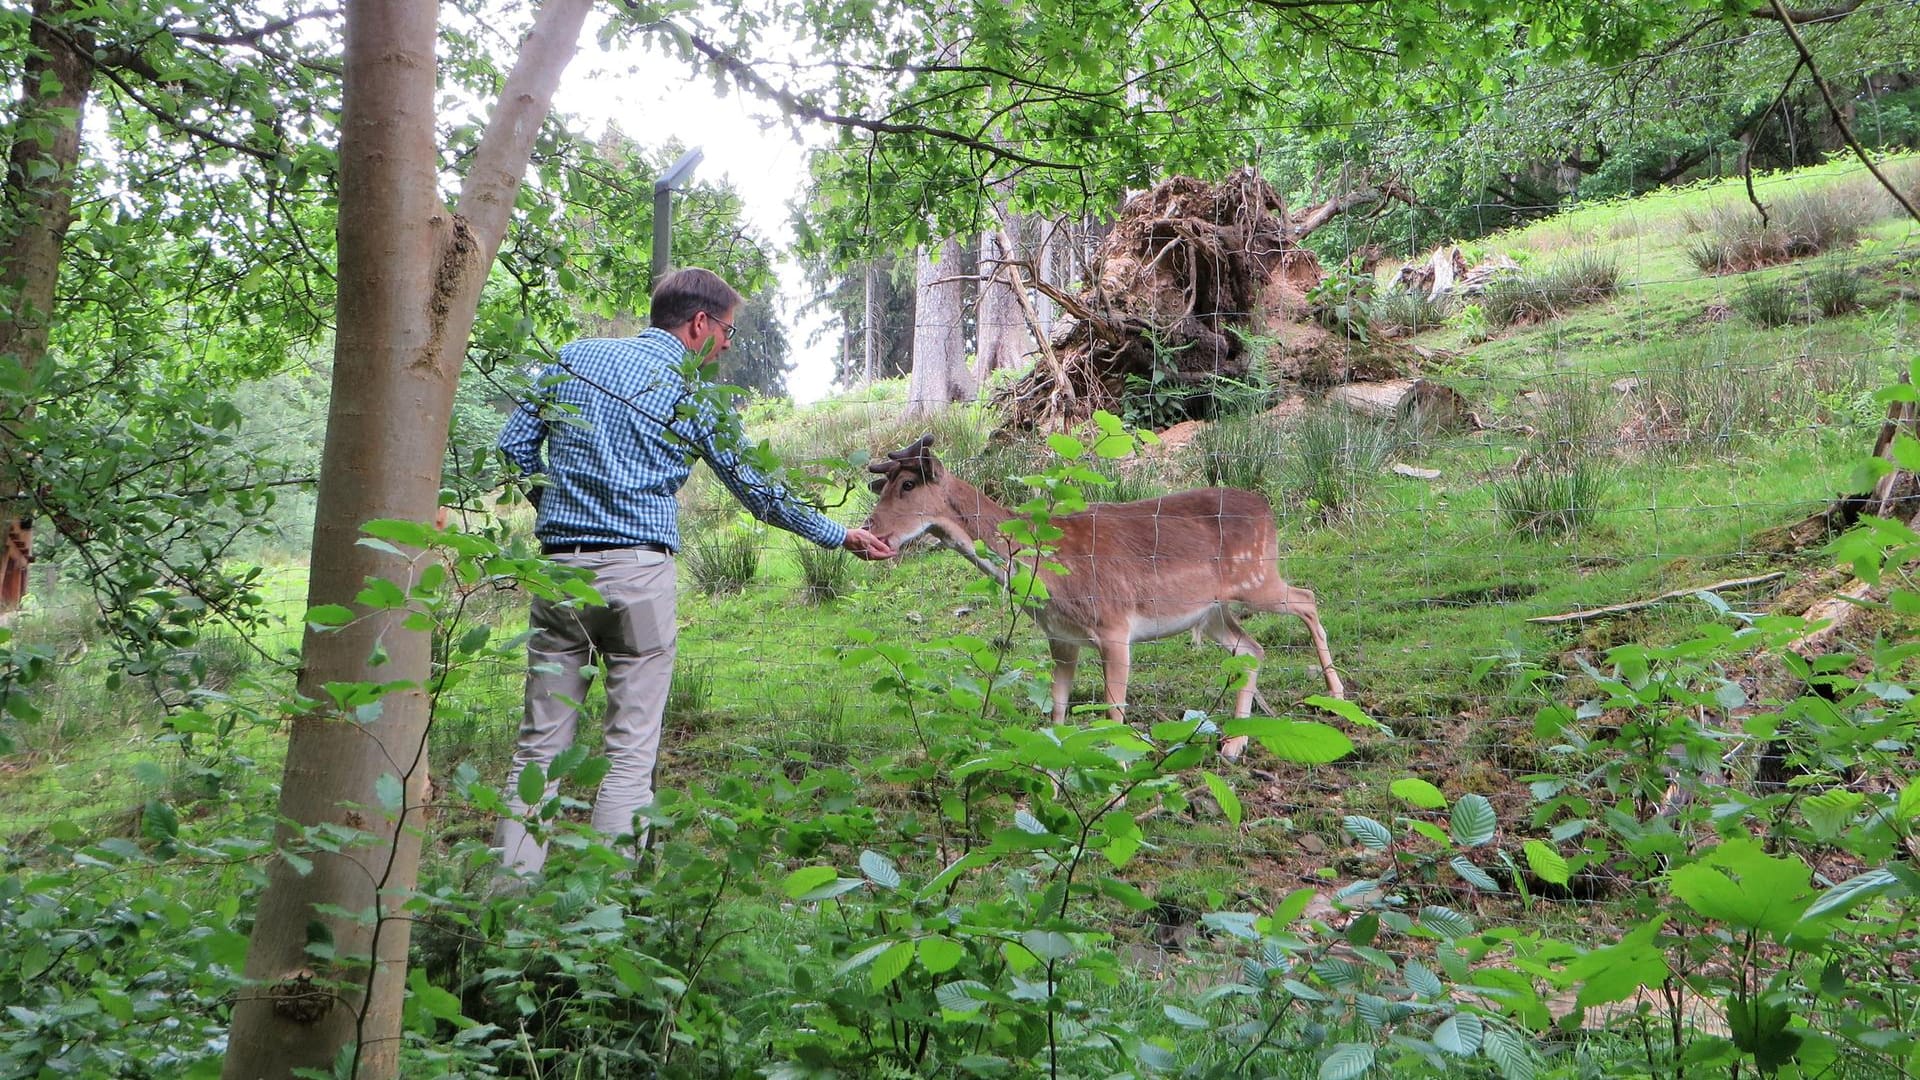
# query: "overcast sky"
[[658, 102]]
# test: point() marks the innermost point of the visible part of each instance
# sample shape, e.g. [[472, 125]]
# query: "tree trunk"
[[870, 366], [410, 273], [1000, 319], [940, 376], [37, 201]]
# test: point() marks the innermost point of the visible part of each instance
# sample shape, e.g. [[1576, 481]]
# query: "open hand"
[[867, 546]]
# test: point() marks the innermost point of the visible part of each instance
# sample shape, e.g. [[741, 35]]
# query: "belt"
[[586, 549]]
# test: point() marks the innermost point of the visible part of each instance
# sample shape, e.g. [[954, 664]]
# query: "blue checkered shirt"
[[620, 440]]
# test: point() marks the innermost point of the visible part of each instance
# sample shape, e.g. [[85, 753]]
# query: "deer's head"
[[909, 483]]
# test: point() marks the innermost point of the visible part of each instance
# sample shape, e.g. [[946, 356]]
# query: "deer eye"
[[906, 486]]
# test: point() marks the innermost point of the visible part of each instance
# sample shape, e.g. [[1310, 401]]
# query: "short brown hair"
[[685, 293]]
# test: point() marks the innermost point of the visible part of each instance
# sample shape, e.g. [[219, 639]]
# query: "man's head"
[[698, 307]]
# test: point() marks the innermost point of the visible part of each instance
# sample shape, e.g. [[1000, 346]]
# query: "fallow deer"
[[1133, 571]]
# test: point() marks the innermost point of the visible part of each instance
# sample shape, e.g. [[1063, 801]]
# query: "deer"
[[1133, 571]]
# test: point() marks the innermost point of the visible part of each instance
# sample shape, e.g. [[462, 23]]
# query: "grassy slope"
[[1415, 588]]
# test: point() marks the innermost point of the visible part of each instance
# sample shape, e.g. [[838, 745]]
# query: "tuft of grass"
[[825, 574], [1731, 238], [1404, 312], [1333, 459], [1834, 291], [723, 560], [1698, 403], [1246, 453], [1770, 303], [1572, 421], [1551, 501], [1538, 295], [689, 696]]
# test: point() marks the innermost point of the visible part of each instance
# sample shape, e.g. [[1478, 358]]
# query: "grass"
[[1693, 434], [1537, 295], [1733, 238], [723, 560], [1552, 502]]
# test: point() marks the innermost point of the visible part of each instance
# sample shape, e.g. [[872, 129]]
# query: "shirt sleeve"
[[522, 436], [766, 500]]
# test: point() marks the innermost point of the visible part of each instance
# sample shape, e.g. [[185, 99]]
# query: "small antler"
[[895, 458]]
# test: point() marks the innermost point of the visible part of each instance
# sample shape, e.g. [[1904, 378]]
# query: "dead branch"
[[1673, 594]]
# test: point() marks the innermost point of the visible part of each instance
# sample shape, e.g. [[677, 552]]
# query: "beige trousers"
[[631, 639]]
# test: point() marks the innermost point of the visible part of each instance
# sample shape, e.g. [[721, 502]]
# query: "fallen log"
[[1673, 594], [1439, 408]]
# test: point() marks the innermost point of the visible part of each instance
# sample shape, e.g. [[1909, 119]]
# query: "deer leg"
[[1066, 659], [1222, 627], [1284, 599], [1116, 661]]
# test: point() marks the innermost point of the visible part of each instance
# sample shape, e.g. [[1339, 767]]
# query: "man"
[[620, 425]]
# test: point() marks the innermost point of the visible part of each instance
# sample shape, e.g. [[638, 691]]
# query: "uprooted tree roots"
[[1188, 273]]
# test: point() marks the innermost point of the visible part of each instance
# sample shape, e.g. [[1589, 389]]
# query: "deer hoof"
[[1231, 749]]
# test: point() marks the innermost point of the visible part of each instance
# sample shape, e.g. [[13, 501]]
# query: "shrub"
[[1834, 291], [724, 560], [1535, 295], [824, 572], [1403, 312], [1733, 239], [1552, 500], [1769, 303]]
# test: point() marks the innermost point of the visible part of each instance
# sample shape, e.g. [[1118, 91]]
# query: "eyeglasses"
[[724, 324]]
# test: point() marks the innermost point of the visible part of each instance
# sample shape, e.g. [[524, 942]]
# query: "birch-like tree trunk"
[[939, 376], [1000, 321], [410, 272], [36, 208], [870, 339]]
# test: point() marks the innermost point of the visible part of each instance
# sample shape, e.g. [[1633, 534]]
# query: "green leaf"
[[1348, 1060], [1067, 446], [940, 955], [1474, 822], [891, 963], [879, 869], [532, 786], [1908, 807], [1459, 1034], [1445, 921], [1346, 710], [1422, 981], [1509, 1053], [958, 996], [326, 615], [1417, 792], [390, 792], [1472, 874], [1301, 741], [1126, 893], [1190, 1020], [1371, 834], [439, 1003], [806, 879], [381, 594], [1047, 944], [1830, 812], [159, 821], [1222, 794], [1739, 884], [1618, 971], [1546, 863], [1859, 887]]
